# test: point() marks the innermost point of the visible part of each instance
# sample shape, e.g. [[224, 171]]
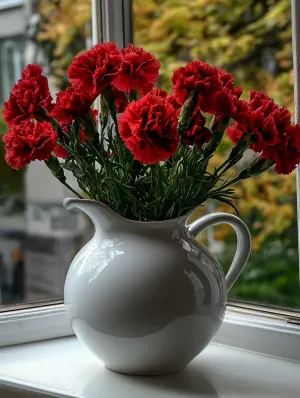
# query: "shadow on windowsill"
[[188, 382]]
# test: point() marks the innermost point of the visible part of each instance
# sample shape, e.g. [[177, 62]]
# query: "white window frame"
[[4, 4], [258, 328]]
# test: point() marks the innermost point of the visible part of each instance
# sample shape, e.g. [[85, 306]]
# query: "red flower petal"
[[149, 129], [139, 70], [28, 95], [29, 142], [71, 105], [95, 69]]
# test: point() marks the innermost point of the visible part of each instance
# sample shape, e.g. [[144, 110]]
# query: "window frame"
[[10, 4], [295, 11], [249, 326]]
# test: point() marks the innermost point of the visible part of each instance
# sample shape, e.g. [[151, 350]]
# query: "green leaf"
[[227, 201]]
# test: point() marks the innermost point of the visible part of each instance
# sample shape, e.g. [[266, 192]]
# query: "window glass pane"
[[252, 40], [38, 237]]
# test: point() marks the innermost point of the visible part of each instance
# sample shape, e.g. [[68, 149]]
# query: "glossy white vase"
[[145, 297]]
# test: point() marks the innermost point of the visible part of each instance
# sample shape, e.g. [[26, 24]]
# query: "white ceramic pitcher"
[[145, 297]]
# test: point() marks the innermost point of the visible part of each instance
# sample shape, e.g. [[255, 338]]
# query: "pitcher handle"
[[243, 240]]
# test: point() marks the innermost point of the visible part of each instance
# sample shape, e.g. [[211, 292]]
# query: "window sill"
[[252, 328], [59, 366], [64, 368]]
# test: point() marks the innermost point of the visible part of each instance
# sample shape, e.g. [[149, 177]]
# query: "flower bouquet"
[[148, 156]]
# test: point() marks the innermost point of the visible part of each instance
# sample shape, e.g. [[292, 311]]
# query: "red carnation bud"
[[259, 166], [53, 164]]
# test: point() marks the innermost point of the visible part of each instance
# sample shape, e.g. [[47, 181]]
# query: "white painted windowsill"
[[64, 368]]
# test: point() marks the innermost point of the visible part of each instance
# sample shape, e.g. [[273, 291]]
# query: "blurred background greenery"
[[252, 39]]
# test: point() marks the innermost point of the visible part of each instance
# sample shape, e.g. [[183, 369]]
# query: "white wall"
[[12, 21]]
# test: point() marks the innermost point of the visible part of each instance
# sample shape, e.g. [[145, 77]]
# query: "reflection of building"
[[45, 234], [18, 26], [12, 227], [53, 235], [13, 17]]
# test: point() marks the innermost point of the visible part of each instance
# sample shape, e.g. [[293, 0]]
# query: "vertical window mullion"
[[112, 21], [96, 22], [296, 68]]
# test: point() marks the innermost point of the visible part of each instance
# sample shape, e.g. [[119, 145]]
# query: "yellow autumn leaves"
[[67, 27]]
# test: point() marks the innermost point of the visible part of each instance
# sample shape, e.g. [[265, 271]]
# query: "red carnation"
[[164, 94], [159, 92], [95, 69], [28, 142], [173, 101], [70, 105], [282, 117], [228, 104], [226, 78], [29, 95], [198, 134], [236, 131], [259, 99], [139, 70], [265, 120], [272, 132], [262, 127], [199, 77], [31, 71], [286, 153], [213, 87], [60, 152], [149, 129], [120, 100]]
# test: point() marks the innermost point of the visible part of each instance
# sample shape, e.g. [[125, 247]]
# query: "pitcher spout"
[[101, 215]]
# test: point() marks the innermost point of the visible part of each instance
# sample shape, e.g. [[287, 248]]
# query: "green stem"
[[107, 167], [223, 165], [82, 163], [83, 189], [228, 164], [70, 188], [231, 182]]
